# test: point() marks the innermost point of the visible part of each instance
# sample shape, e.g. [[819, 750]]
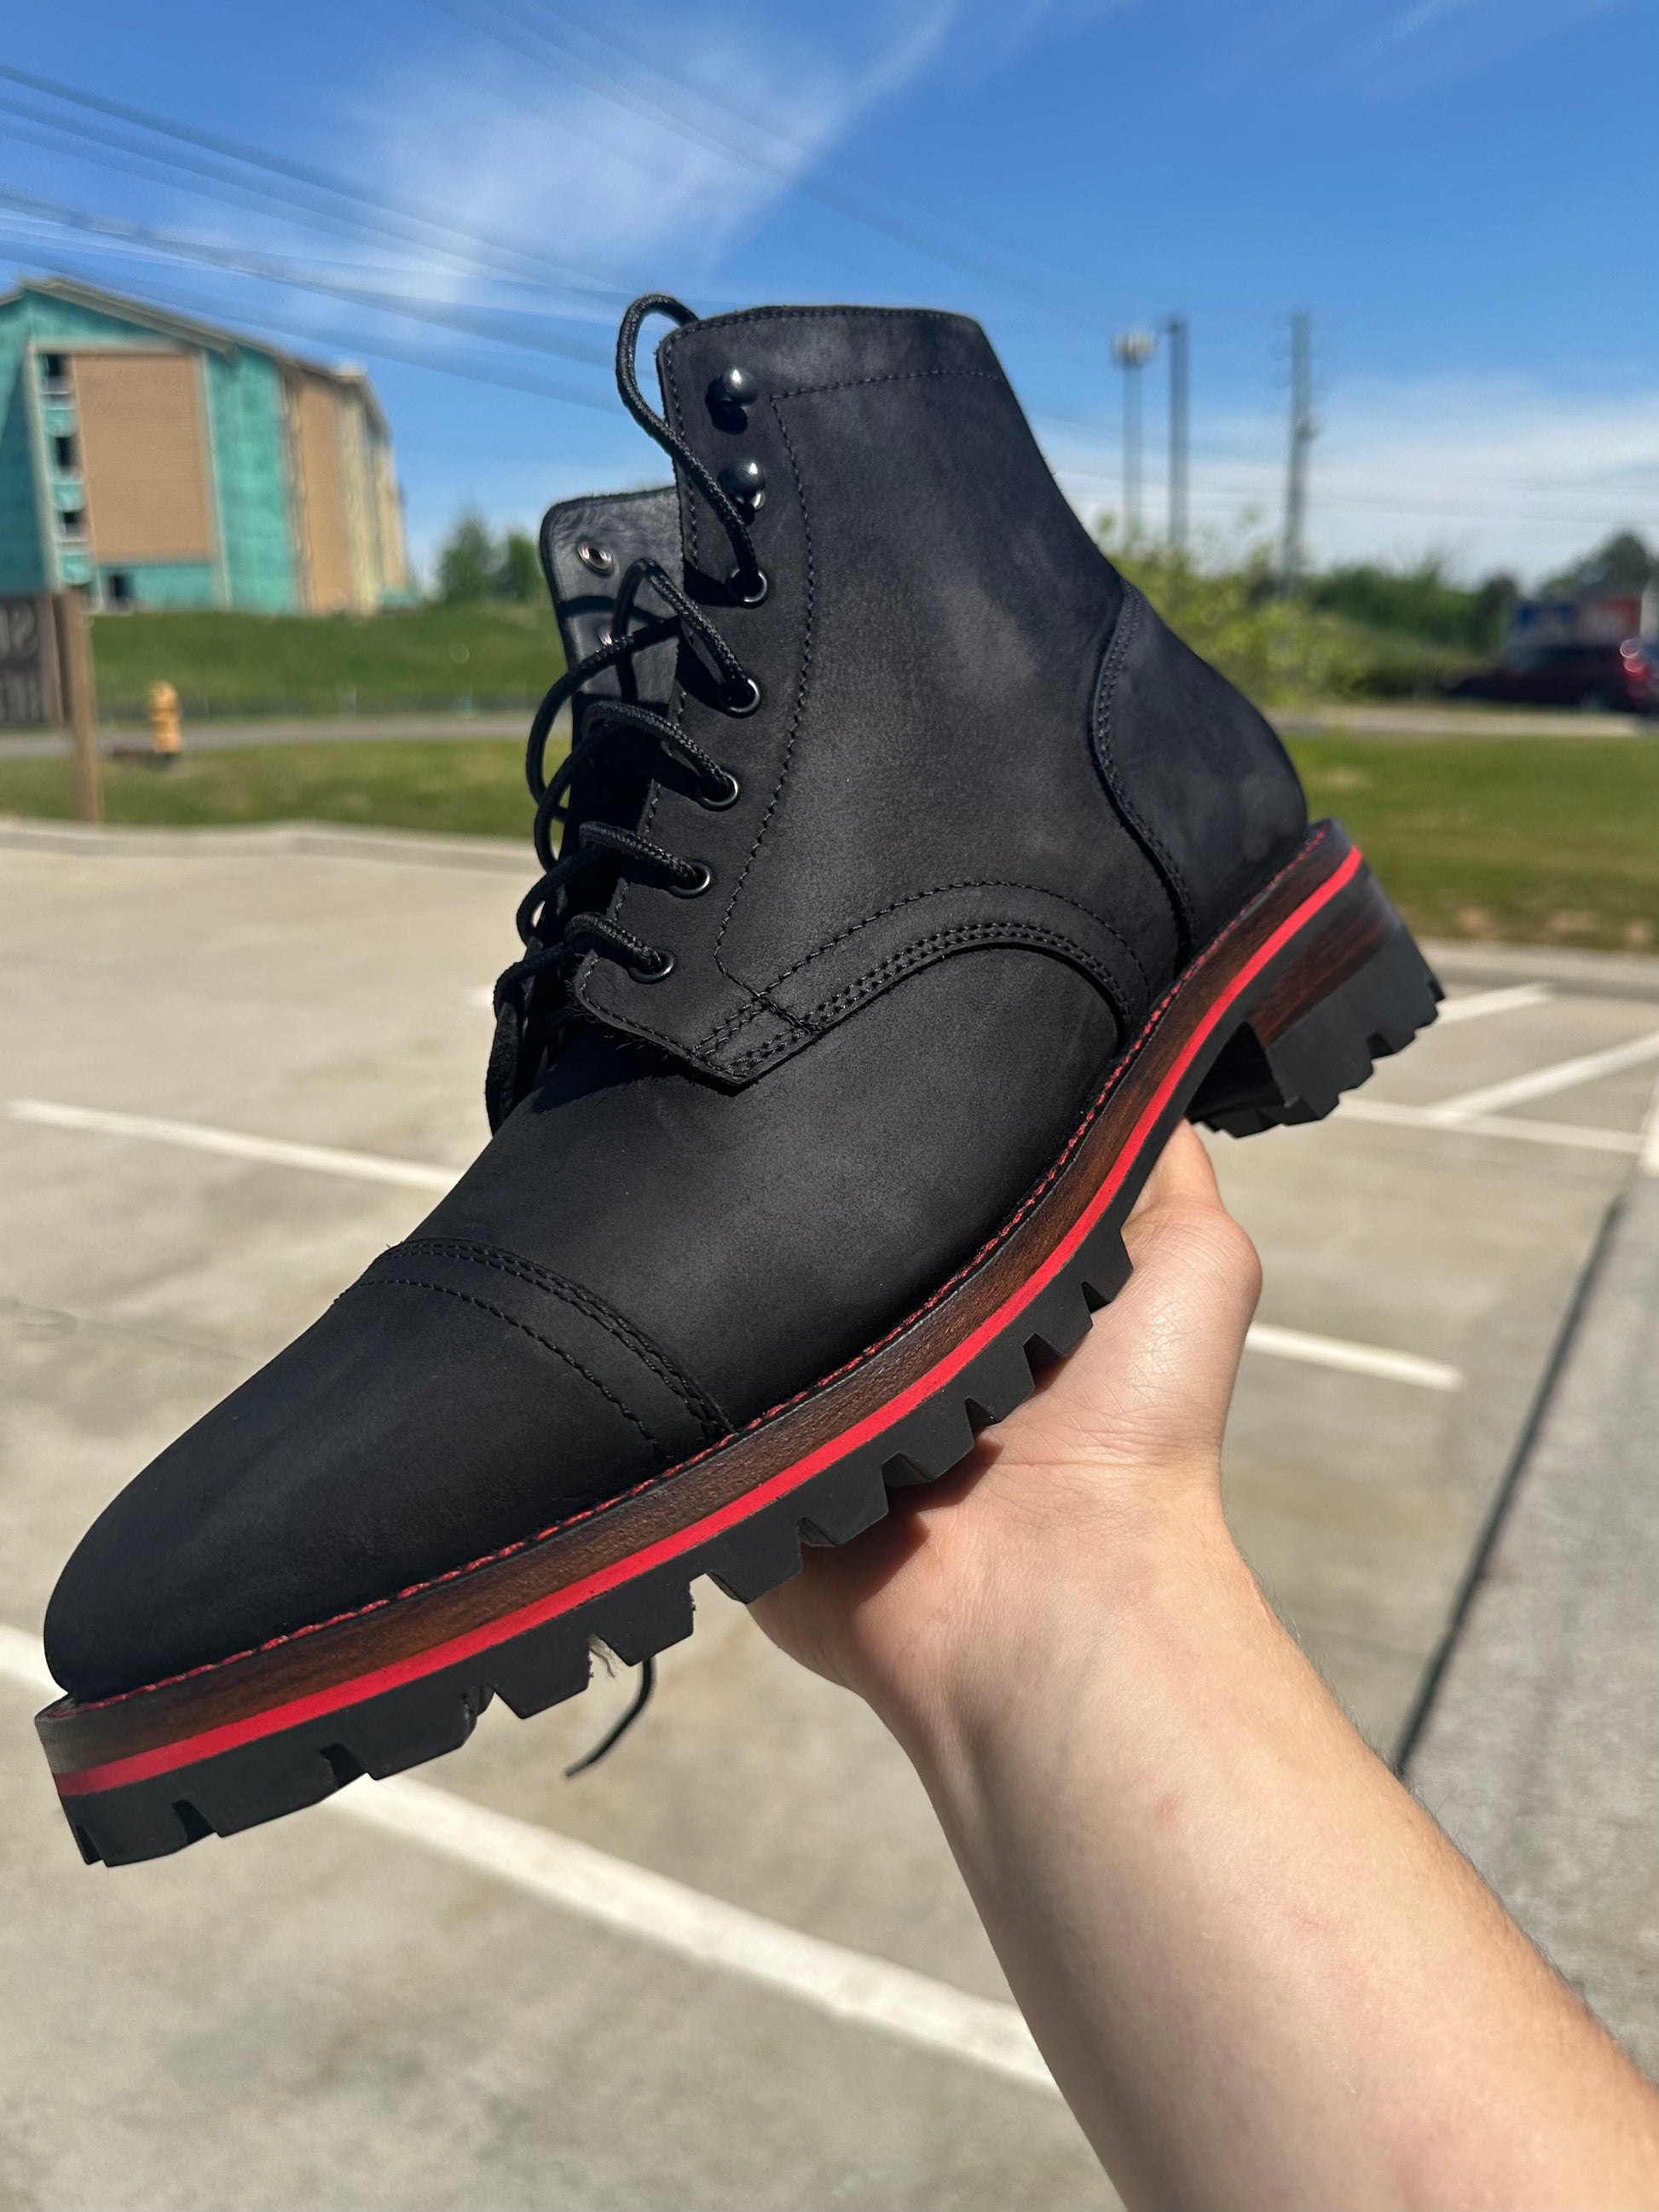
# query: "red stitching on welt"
[[651, 1482]]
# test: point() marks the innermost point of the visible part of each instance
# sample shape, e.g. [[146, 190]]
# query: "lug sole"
[[1289, 1007]]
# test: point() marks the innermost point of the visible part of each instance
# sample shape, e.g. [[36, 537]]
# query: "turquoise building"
[[157, 462]]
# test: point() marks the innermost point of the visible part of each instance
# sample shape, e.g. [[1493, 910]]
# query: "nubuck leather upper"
[[905, 881]]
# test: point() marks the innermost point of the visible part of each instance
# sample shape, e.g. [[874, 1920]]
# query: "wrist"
[[1061, 1601]]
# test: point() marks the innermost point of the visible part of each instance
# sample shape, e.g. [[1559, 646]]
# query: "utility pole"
[[81, 697], [1132, 350], [1303, 427], [1176, 329]]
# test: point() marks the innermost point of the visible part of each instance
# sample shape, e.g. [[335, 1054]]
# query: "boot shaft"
[[969, 731]]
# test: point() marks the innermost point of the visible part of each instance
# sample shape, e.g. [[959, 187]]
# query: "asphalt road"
[[1407, 719], [430, 1998]]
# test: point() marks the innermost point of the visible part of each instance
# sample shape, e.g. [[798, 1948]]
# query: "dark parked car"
[[1623, 679]]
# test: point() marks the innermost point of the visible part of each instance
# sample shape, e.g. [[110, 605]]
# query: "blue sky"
[[1461, 192]]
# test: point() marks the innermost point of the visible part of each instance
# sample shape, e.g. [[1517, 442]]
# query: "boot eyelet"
[[662, 966], [599, 558], [743, 483], [603, 633], [699, 883], [757, 588], [722, 795], [731, 395], [741, 698]]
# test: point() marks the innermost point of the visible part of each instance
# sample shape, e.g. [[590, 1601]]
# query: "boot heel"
[[1308, 1039]]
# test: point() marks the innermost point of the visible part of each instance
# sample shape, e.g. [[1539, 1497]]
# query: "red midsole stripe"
[[142, 1765]]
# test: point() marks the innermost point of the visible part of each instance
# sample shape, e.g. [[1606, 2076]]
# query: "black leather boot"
[[915, 881]]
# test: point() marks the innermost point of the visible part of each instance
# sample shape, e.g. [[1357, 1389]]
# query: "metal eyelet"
[[603, 633], [699, 882], [757, 592], [741, 699], [722, 796], [599, 558], [731, 395], [664, 967], [743, 483]]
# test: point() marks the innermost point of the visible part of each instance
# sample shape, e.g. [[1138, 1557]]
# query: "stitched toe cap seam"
[[547, 1343], [696, 1402]]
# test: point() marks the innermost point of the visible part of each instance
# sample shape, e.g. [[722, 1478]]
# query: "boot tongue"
[[587, 546]]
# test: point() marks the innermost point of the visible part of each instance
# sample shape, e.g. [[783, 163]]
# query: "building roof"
[[166, 323]]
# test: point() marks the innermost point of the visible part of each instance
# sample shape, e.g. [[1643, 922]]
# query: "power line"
[[377, 347], [317, 180], [473, 322], [537, 43], [970, 242], [1213, 494], [1216, 457], [126, 158]]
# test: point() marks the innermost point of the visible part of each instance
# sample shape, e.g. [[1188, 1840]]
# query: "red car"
[[1619, 679]]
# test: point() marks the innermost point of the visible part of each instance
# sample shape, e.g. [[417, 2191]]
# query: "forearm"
[[1259, 1973]]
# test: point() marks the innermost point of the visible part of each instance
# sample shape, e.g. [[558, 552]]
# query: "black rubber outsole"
[[1240, 1084]]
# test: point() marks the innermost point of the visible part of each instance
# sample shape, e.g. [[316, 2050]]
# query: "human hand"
[[1109, 1472]]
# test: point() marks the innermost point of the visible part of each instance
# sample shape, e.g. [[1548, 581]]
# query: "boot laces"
[[531, 999]]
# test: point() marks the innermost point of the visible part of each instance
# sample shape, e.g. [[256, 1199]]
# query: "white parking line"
[[1571, 1133], [1544, 1082], [1284, 1344], [1473, 1005], [1647, 1161], [848, 1985], [1352, 1359], [196, 1136], [22, 1658]]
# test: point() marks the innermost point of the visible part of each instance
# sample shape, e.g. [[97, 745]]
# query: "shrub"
[[1276, 648]]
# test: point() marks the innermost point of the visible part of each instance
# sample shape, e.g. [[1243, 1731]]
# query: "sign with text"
[[31, 692]]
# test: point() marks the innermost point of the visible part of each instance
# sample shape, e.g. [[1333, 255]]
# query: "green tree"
[[1420, 602], [520, 573], [1622, 563], [468, 560]]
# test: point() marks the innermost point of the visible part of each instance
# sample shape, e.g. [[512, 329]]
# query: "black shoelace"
[[532, 1000], [532, 1006]]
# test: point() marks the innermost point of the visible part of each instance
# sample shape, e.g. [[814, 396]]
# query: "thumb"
[[1153, 1379]]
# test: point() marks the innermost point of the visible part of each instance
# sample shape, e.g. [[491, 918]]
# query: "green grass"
[[418, 660], [474, 786], [1538, 841], [1549, 841]]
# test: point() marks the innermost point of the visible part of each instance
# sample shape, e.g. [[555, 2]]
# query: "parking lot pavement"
[[465, 2013]]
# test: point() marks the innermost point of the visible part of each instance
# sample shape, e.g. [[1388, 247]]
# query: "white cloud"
[[1429, 40], [633, 175], [1493, 473]]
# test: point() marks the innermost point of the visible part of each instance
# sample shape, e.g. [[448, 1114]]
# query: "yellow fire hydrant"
[[166, 740]]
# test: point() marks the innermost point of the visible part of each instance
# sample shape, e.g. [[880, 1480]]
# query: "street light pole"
[[1175, 331], [1303, 427], [1132, 350]]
